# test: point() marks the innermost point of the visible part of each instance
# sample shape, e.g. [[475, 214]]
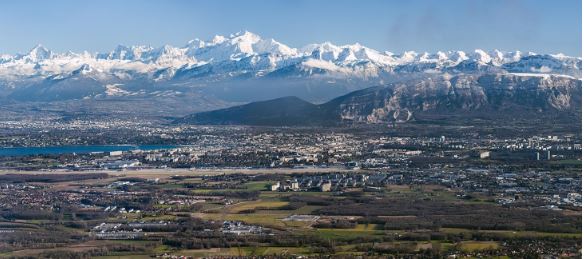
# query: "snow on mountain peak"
[[122, 52], [245, 36], [482, 56], [244, 42], [326, 46], [195, 44], [408, 56], [236, 47], [458, 56], [246, 52], [38, 53], [275, 47], [441, 55], [218, 39], [325, 51], [83, 70]]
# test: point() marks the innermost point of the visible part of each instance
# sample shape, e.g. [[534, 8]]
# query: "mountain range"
[[244, 67], [494, 97], [43, 74]]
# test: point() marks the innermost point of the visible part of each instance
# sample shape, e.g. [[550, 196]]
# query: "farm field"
[[236, 214]]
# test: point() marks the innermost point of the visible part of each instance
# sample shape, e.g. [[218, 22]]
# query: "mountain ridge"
[[258, 54], [498, 97]]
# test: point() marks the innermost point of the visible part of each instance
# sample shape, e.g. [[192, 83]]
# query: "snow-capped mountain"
[[244, 58]]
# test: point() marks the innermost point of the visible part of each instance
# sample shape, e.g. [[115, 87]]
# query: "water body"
[[28, 151]]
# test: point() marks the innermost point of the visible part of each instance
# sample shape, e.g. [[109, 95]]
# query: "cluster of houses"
[[239, 228], [131, 230], [521, 188], [329, 182], [294, 185], [115, 231], [120, 210]]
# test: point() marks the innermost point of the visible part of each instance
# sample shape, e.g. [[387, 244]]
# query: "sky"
[[541, 26]]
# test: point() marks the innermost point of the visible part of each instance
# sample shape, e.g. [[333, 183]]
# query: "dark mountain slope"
[[494, 96], [285, 111]]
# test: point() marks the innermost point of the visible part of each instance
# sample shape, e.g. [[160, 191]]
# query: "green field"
[[361, 230], [256, 186], [470, 246], [259, 204], [511, 234]]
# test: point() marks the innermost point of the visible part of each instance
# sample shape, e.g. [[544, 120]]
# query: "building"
[[325, 187], [275, 187], [115, 153], [238, 228], [120, 164], [295, 185]]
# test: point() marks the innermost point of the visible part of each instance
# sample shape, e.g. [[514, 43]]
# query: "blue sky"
[[394, 25]]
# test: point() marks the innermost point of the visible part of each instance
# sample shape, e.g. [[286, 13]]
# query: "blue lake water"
[[26, 151]]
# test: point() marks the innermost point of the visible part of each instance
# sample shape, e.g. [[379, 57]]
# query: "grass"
[[18, 225], [471, 246], [160, 217], [432, 192], [249, 205], [171, 186], [129, 242], [361, 230], [85, 246], [366, 227], [267, 212], [308, 209], [274, 250], [446, 246], [272, 195], [161, 249], [133, 256], [197, 253], [244, 251], [511, 233], [567, 162], [256, 186], [203, 191], [208, 206], [269, 195]]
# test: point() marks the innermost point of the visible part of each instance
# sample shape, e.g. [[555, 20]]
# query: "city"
[[258, 191]]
